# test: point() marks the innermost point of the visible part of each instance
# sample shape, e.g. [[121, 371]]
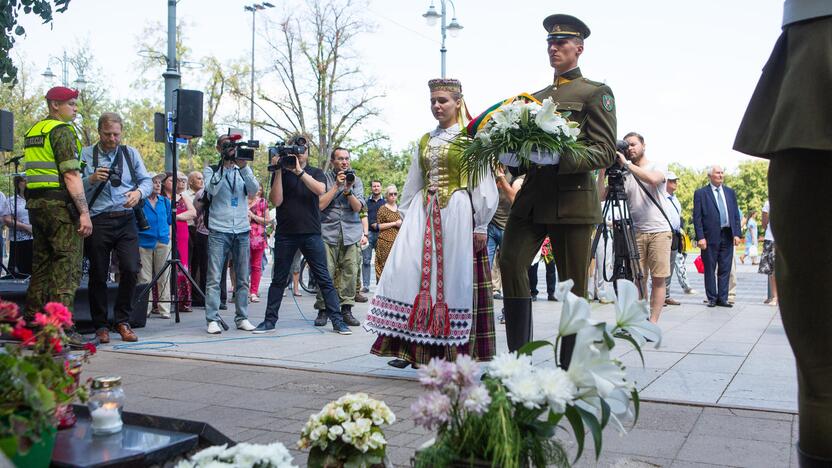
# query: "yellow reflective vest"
[[39, 160]]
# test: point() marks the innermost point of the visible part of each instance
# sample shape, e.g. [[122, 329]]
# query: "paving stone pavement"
[[736, 358], [263, 404]]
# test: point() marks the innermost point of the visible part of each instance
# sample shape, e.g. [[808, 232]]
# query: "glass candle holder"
[[105, 405]]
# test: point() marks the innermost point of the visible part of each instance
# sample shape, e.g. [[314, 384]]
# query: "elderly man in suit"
[[716, 221]]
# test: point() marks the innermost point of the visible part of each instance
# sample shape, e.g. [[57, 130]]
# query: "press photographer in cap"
[[296, 187], [227, 186], [57, 206], [559, 200], [116, 182]]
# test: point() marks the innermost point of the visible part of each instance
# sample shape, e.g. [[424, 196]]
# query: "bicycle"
[[307, 282]]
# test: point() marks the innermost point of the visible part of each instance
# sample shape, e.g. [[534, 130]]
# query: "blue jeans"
[[220, 245], [312, 247], [495, 238], [367, 258]]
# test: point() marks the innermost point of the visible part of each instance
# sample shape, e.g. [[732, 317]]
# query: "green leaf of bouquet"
[[594, 427], [554, 418], [605, 413], [634, 395], [577, 427], [532, 346], [627, 337]]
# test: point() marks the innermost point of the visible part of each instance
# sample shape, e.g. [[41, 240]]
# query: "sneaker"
[[320, 320], [245, 325], [502, 318], [365, 289], [214, 328], [497, 296], [691, 291], [264, 327], [223, 306], [341, 329]]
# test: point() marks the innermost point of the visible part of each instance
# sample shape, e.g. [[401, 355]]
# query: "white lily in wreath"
[[574, 314], [632, 315]]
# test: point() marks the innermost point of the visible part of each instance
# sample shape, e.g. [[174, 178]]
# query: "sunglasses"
[[392, 193]]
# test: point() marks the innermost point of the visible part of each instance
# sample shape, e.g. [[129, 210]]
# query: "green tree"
[[379, 162], [9, 15], [26, 101], [750, 182], [138, 131], [93, 99]]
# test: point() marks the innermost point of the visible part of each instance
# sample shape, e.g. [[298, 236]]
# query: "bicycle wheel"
[[307, 282]]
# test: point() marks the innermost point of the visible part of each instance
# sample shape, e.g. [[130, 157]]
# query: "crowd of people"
[[101, 200]]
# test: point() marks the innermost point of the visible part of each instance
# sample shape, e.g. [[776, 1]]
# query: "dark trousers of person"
[[312, 248], [797, 181], [570, 245], [20, 256], [718, 261], [119, 236], [197, 263], [551, 278]]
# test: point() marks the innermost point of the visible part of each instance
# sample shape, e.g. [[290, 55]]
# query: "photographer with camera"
[[644, 183], [342, 233], [227, 186], [116, 183], [295, 192]]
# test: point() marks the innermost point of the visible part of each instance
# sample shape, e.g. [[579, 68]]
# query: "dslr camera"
[[350, 175], [114, 178], [287, 154], [615, 173], [245, 148]]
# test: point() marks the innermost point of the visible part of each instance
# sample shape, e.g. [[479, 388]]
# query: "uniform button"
[[579, 186]]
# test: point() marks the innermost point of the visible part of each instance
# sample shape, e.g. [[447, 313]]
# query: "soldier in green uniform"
[[55, 200], [560, 200], [789, 121]]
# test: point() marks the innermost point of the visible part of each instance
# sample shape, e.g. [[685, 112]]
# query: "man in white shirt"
[[644, 185], [677, 256]]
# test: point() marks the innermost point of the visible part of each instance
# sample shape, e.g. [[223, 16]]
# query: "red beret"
[[60, 93]]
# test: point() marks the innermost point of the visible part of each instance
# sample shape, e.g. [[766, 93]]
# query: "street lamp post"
[[253, 9], [431, 16], [64, 61]]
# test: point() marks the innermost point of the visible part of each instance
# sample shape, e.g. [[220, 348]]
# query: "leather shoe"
[[671, 301], [711, 303], [126, 332], [360, 297], [103, 335], [724, 304], [551, 297], [321, 319]]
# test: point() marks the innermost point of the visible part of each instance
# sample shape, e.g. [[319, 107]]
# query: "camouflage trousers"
[[56, 258]]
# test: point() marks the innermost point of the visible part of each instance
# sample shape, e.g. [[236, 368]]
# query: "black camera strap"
[[650, 196], [121, 154]]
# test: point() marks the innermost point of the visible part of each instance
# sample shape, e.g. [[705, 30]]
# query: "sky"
[[682, 72]]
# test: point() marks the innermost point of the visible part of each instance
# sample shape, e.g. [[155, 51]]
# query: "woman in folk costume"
[[434, 296]]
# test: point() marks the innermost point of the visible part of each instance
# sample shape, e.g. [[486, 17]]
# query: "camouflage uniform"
[[57, 246]]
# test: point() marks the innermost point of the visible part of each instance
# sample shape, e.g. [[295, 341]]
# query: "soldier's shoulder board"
[[593, 83]]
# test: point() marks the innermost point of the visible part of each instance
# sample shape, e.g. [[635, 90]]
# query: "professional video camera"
[[287, 154], [625, 251], [245, 148]]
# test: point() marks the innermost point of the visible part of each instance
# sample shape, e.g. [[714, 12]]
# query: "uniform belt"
[[114, 214], [59, 195]]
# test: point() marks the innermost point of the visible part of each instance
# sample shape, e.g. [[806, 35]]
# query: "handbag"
[[700, 265]]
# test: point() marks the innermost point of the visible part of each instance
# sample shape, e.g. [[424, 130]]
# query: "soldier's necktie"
[[723, 214]]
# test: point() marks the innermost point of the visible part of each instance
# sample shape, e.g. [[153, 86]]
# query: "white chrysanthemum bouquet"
[[347, 430], [509, 415], [262, 456], [517, 132]]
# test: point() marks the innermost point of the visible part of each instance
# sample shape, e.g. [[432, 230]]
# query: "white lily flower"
[[547, 118], [574, 314], [632, 315], [591, 367]]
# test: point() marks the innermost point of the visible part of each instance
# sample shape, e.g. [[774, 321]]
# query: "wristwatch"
[[347, 193]]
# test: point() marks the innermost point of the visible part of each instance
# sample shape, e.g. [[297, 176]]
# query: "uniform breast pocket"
[[576, 196], [570, 106]]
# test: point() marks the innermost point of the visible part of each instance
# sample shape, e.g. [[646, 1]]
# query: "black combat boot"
[[320, 320], [518, 315]]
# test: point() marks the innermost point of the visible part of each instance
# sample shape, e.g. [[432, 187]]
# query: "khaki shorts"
[[654, 253]]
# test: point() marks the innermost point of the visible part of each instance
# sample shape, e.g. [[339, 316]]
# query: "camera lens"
[[300, 141]]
